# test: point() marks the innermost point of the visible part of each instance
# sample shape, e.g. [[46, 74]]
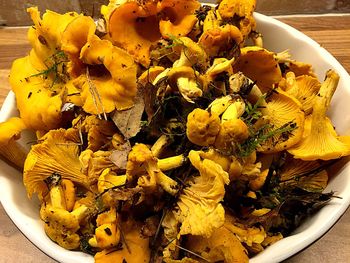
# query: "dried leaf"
[[120, 157], [129, 121]]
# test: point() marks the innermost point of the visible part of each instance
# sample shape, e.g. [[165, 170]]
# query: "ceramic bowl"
[[277, 37]]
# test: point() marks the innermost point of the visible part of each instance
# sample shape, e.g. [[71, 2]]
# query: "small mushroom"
[[304, 88], [113, 88], [143, 166], [56, 153], [240, 13], [198, 209], [10, 150], [282, 110], [322, 142], [177, 18], [259, 65]]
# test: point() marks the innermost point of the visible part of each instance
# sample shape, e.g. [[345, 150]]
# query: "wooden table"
[[332, 32]]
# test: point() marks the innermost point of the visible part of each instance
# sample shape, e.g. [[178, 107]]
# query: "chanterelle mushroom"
[[239, 12], [10, 131], [143, 166], [199, 210], [60, 225], [56, 152], [38, 79], [115, 87], [321, 142], [259, 65]]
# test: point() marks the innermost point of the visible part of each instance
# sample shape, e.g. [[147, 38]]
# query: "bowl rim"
[[7, 111]]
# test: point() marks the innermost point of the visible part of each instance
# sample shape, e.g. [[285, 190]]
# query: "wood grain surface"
[[332, 32]]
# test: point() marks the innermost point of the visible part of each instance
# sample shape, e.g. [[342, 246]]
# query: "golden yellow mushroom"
[[177, 18], [56, 152], [10, 150], [259, 65], [322, 141]]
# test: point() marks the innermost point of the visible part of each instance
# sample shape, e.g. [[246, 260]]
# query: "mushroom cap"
[[134, 27], [177, 18], [202, 127], [149, 75], [190, 52], [57, 152], [46, 35], [221, 246], [279, 111], [113, 88], [218, 40], [38, 102], [304, 88], [199, 208], [11, 129], [10, 150], [259, 65], [294, 172], [321, 143], [244, 10], [188, 81], [74, 37]]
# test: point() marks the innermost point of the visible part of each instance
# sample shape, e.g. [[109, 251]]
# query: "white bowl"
[[277, 37]]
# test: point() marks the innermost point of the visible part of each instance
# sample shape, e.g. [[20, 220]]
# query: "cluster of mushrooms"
[[154, 122]]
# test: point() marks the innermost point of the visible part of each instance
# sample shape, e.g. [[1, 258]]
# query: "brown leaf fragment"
[[120, 157], [124, 194], [129, 121]]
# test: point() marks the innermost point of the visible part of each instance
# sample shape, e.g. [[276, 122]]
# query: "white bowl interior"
[[277, 37]]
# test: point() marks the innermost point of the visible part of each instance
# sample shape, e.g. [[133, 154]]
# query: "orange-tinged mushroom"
[[57, 152], [10, 131], [220, 40], [177, 17], [74, 37], [113, 88], [240, 13], [134, 27], [304, 88], [259, 65], [322, 142], [281, 110], [46, 35], [135, 247], [39, 99]]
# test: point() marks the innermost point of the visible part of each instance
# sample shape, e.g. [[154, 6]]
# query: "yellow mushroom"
[[135, 247], [322, 142], [143, 166], [107, 233], [259, 65], [74, 37], [304, 88], [177, 18], [202, 127], [219, 41], [56, 152], [60, 224], [134, 26], [282, 111], [198, 210], [114, 87], [221, 246], [10, 150], [239, 13]]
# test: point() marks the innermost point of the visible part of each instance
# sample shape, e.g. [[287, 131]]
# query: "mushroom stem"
[[159, 145], [171, 162], [325, 94], [14, 153]]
